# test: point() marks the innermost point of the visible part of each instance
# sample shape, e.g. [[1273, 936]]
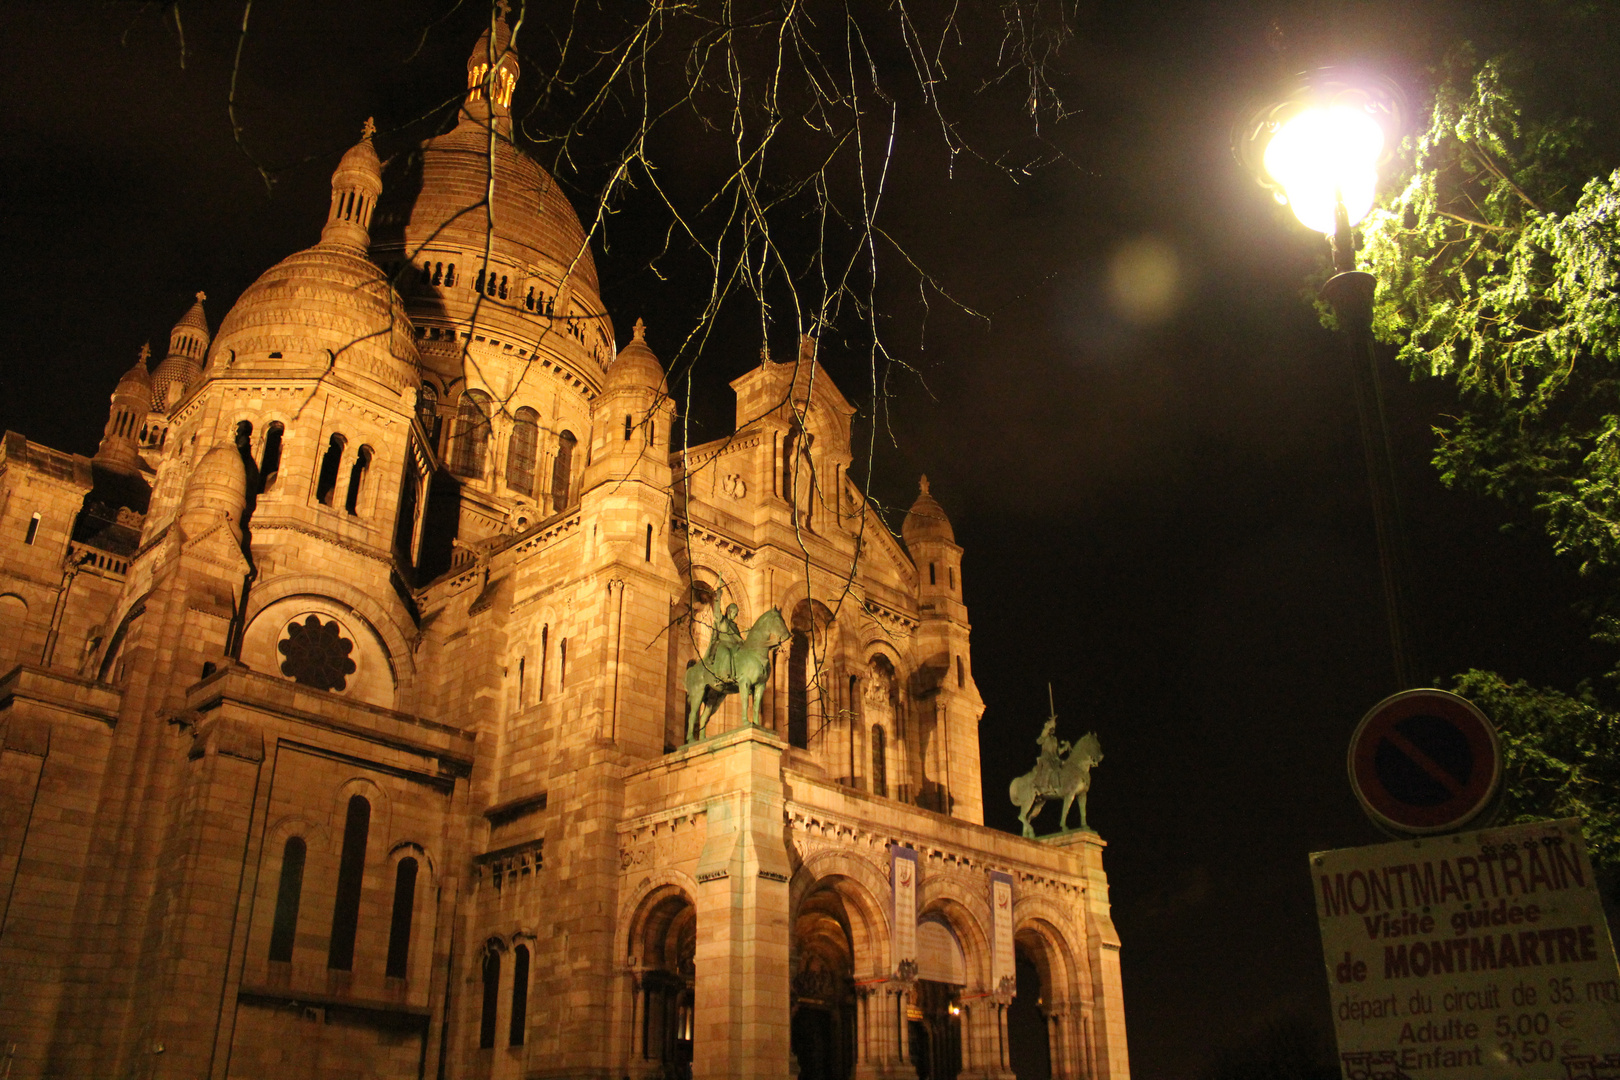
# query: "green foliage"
[[1497, 264], [1558, 754]]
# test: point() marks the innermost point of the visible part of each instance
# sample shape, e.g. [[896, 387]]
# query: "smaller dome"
[[137, 377], [188, 344], [636, 368], [360, 164], [926, 520], [356, 183], [217, 488]]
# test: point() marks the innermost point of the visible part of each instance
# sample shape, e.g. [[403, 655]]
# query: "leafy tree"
[[1498, 261]]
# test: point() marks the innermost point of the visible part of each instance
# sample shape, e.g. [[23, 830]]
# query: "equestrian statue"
[[1063, 772], [734, 663]]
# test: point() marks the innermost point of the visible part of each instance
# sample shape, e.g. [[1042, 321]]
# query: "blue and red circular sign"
[[1425, 762]]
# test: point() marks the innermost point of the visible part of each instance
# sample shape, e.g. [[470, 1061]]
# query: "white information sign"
[[1002, 971], [1483, 954], [904, 870]]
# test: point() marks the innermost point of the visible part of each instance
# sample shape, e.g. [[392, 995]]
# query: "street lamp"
[[1318, 148]]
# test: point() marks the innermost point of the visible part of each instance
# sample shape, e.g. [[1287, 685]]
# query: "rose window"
[[316, 654]]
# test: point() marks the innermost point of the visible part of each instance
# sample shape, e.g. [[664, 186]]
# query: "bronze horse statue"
[[1071, 783], [750, 670]]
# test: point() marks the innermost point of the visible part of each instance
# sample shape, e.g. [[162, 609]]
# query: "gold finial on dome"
[[639, 332], [368, 129], [146, 353], [201, 296], [922, 484]]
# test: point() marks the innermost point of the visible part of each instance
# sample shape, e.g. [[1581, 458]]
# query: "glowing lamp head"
[[1322, 155]]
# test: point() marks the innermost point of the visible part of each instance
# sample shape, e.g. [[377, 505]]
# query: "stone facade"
[[344, 728]]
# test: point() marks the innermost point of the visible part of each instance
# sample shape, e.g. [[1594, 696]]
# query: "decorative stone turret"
[[355, 187], [131, 401], [217, 490], [631, 418], [188, 346]]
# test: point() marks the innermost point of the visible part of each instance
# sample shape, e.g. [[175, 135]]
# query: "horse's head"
[[768, 631], [1087, 748]]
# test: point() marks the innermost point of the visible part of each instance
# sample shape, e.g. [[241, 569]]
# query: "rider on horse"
[[1049, 769], [723, 643]]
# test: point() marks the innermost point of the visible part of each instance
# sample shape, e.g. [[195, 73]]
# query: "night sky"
[[1161, 495]]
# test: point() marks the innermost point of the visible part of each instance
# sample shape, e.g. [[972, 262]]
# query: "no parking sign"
[[1424, 762]]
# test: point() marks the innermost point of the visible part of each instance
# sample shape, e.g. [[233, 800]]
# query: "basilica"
[[356, 695]]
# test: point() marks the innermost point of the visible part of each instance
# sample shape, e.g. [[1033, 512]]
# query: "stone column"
[[743, 939]]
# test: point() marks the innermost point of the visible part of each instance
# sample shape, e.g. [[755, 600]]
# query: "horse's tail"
[[1018, 789]]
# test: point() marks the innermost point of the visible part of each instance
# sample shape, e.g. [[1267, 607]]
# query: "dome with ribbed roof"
[[323, 309], [636, 367], [926, 520], [178, 371]]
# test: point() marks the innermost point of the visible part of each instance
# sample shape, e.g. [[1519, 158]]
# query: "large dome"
[[325, 308], [435, 199]]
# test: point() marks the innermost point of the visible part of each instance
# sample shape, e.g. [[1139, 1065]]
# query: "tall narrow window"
[[562, 471], [523, 662], [520, 994], [284, 929], [270, 459], [562, 664], [326, 482], [399, 930], [880, 762], [351, 875], [790, 446], [405, 525], [33, 529], [798, 719], [932, 577], [961, 673], [450, 275], [472, 435], [492, 989], [541, 692], [357, 477], [427, 409], [648, 554], [950, 577], [629, 425], [521, 449], [244, 447]]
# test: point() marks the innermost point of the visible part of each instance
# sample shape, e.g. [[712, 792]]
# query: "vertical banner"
[[1002, 974], [903, 865]]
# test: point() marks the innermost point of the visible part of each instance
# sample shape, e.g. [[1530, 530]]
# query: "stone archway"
[[664, 937], [823, 987]]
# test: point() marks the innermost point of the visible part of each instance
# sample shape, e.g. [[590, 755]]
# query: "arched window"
[[790, 446], [472, 435], [326, 483], [270, 459], [961, 673], [799, 667], [520, 994], [492, 989], [478, 282], [284, 929], [503, 287], [438, 273], [399, 930], [562, 471], [427, 408], [880, 761], [450, 275], [521, 449], [357, 477], [351, 875], [528, 301], [244, 447]]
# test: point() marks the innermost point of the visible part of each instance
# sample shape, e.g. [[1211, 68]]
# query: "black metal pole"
[[1350, 291]]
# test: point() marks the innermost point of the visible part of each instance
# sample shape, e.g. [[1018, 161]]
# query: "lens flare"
[[1323, 155]]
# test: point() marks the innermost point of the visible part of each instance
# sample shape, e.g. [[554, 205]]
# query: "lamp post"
[[1318, 148]]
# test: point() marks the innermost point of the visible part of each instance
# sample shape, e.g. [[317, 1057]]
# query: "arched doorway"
[[933, 1015], [823, 1002], [667, 941]]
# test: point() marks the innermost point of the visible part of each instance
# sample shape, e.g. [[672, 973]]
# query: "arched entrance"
[[934, 1013], [823, 1035], [667, 945]]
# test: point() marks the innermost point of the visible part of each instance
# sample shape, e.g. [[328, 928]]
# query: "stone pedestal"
[[1105, 1054]]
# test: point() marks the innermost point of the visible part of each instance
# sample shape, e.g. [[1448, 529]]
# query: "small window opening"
[[478, 282], [880, 762], [351, 875], [628, 424], [438, 273], [520, 995], [528, 301], [932, 578], [562, 664], [648, 555], [33, 530], [492, 988], [961, 673], [522, 664], [270, 459], [450, 274], [399, 930], [357, 477], [540, 691], [950, 577], [503, 286], [326, 483], [284, 930]]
